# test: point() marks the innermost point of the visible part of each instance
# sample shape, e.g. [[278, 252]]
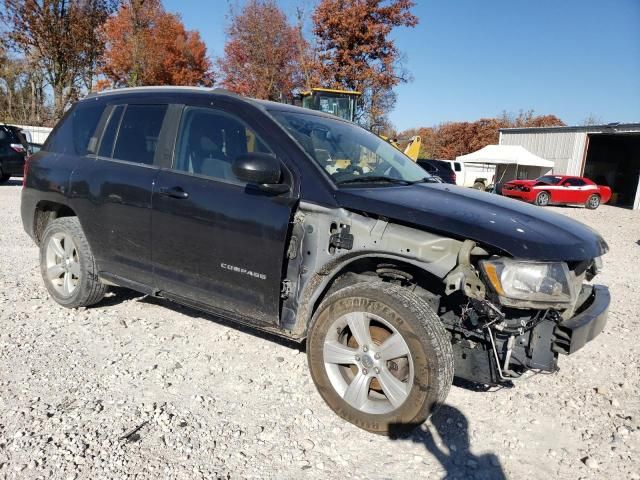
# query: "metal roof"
[[605, 128]]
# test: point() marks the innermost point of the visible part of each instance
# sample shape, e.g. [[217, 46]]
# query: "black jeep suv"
[[438, 168], [13, 150], [308, 226]]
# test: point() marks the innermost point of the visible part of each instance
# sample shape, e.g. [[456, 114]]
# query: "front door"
[[216, 241]]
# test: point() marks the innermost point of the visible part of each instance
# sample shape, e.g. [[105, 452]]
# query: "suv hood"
[[521, 230]]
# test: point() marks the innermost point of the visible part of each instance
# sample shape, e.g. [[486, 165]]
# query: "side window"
[[210, 140], [138, 133], [456, 166], [77, 132], [110, 132], [574, 182]]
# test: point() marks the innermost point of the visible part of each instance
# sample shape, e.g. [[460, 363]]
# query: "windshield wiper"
[[424, 180], [374, 179]]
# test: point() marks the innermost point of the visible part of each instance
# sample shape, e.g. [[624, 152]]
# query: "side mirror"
[[261, 169]]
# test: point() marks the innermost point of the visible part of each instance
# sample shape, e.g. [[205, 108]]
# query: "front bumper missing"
[[572, 334]]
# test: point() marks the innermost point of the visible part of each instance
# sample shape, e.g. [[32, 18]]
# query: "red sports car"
[[556, 189]]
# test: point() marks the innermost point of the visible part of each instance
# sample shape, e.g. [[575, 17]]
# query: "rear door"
[[115, 192], [218, 242]]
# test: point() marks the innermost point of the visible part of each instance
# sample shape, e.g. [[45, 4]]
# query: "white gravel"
[[143, 388]]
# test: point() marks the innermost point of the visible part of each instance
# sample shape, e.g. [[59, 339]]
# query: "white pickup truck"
[[476, 175]]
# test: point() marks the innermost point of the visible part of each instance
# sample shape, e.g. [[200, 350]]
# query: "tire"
[[593, 202], [478, 186], [418, 381], [542, 199], [4, 177], [67, 265]]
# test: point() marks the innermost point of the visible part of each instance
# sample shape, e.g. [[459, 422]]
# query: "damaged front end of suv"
[[520, 315]]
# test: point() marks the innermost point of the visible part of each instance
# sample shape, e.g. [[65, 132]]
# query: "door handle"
[[174, 192]]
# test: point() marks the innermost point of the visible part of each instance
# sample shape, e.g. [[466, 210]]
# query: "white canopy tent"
[[505, 155], [508, 160]]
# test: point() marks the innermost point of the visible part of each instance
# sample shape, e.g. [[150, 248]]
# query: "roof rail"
[[157, 88]]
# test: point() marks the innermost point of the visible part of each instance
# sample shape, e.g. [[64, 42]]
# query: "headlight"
[[539, 282]]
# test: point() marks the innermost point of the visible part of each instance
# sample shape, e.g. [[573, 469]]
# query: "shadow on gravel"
[[455, 455], [116, 296], [563, 205], [119, 295], [13, 182], [478, 387]]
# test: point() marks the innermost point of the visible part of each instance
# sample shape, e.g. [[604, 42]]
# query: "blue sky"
[[472, 59]]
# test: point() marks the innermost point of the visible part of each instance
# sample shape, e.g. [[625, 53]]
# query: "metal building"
[[607, 154]]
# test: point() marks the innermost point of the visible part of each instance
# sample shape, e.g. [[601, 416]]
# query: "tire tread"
[[432, 331]]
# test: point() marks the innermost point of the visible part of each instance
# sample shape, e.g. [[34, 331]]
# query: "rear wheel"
[[380, 357], [478, 186], [593, 202], [4, 177], [543, 199], [67, 265]]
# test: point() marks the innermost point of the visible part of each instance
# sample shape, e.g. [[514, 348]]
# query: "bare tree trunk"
[[32, 112]]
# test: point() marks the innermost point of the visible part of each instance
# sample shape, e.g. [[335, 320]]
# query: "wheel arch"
[[45, 212], [361, 268]]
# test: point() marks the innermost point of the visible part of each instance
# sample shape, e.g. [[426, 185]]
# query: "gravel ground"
[[142, 388]]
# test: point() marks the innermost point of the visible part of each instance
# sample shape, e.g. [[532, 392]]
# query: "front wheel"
[[380, 357], [593, 202], [68, 268], [543, 199]]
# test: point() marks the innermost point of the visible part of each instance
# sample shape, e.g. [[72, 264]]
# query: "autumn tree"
[[452, 139], [357, 53], [265, 56], [145, 45], [22, 93], [59, 37]]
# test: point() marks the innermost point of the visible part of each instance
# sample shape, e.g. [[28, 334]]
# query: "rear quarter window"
[[76, 133]]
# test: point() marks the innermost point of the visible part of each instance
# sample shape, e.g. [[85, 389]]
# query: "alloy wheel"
[[543, 199], [63, 264], [368, 362]]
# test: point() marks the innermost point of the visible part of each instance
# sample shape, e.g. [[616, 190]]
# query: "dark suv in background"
[[13, 150], [438, 168], [313, 228]]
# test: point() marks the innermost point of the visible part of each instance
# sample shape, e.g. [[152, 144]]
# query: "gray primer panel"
[[315, 266]]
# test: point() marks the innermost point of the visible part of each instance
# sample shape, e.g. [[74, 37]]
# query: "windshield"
[[549, 179], [348, 153]]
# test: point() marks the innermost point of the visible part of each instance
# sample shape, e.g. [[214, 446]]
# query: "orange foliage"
[[145, 45], [452, 139], [263, 53], [356, 52]]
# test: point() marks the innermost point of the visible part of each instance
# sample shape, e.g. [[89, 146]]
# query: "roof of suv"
[[262, 104], [441, 164]]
